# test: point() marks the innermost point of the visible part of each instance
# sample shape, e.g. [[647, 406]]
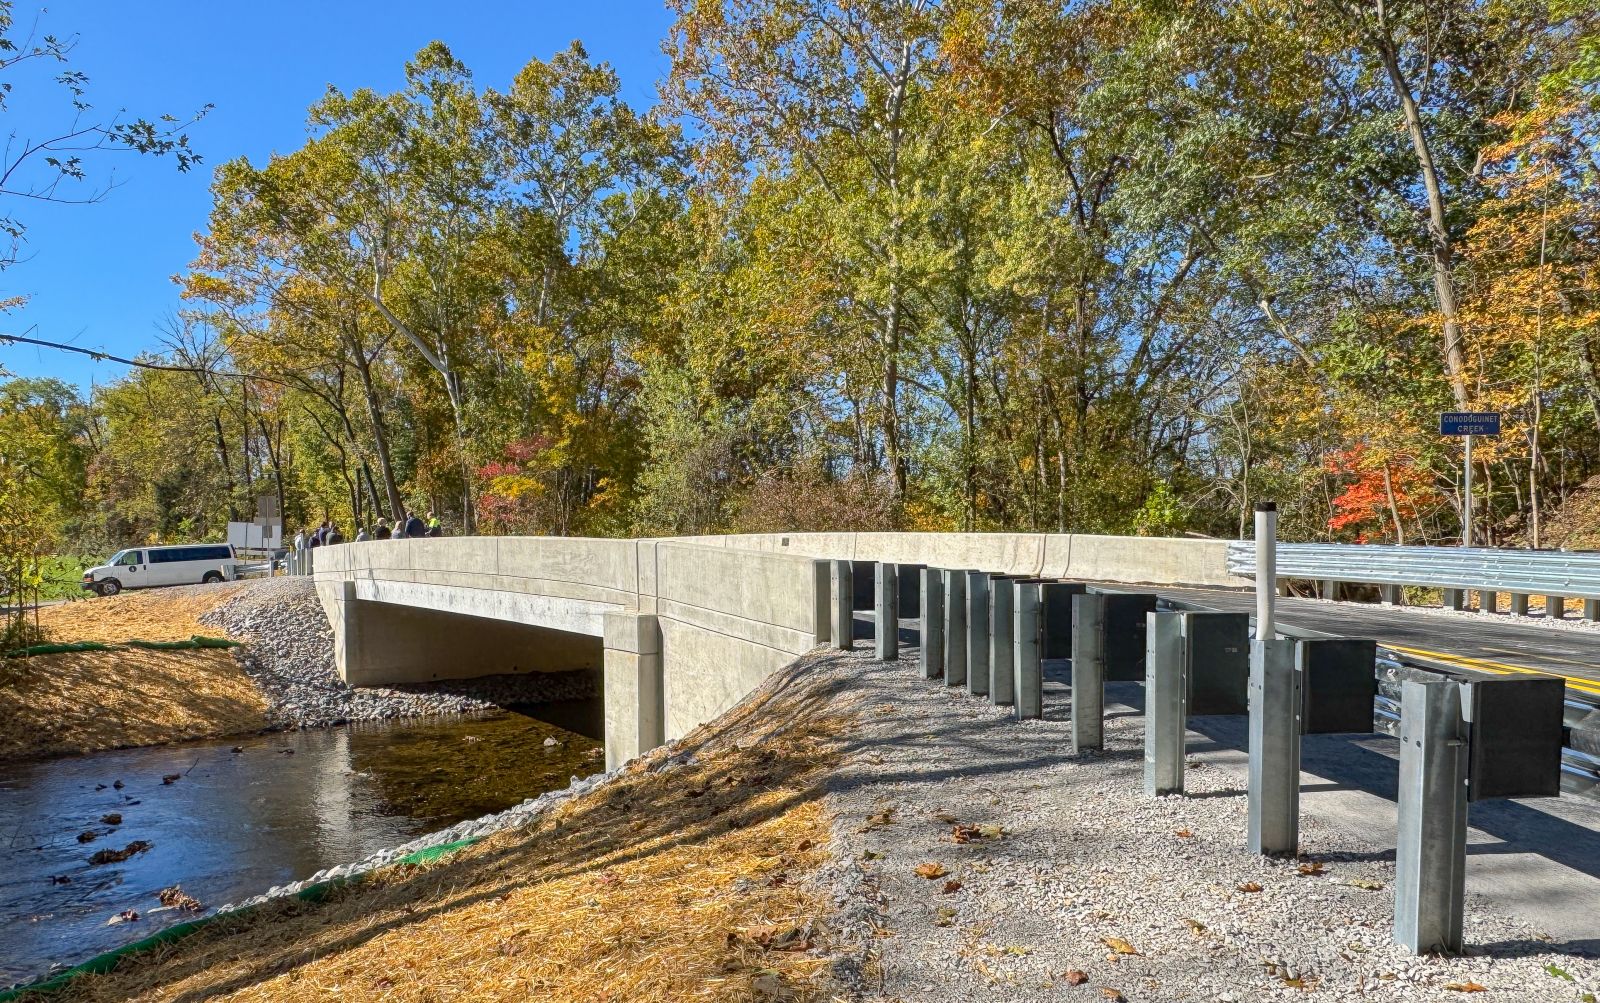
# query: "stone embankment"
[[288, 652]]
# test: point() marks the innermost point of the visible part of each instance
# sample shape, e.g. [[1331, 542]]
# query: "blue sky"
[[99, 275]]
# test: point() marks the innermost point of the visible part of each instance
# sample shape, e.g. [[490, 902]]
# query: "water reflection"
[[237, 823]]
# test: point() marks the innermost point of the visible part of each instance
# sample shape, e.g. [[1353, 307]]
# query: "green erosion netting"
[[197, 641], [103, 963]]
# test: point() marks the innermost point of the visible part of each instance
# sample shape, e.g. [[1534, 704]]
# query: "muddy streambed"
[[235, 823]]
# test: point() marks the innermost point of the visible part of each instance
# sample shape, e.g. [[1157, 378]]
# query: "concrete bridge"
[[680, 628]]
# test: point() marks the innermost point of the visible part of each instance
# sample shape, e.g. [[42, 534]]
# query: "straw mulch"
[[82, 701], [676, 884], [153, 615]]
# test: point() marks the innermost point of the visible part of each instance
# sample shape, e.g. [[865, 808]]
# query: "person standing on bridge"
[[381, 530], [414, 527], [362, 536], [435, 527]]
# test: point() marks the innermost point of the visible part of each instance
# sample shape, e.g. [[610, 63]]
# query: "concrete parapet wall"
[[1130, 559]]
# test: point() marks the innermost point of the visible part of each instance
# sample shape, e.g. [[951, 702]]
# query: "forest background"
[[1115, 266]]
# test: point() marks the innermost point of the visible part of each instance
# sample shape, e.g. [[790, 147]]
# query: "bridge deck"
[[1475, 640]]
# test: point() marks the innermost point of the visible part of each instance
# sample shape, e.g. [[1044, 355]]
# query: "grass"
[[85, 701], [683, 884]]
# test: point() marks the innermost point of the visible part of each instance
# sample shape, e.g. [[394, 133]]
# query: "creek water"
[[245, 814]]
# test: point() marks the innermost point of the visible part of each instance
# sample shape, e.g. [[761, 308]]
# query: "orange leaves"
[[931, 870]]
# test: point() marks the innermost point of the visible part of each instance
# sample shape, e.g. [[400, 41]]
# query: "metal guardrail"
[[1527, 572]]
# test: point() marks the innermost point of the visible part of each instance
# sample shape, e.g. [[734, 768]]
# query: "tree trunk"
[[380, 435]]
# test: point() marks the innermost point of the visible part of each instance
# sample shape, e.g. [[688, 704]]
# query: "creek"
[[245, 814]]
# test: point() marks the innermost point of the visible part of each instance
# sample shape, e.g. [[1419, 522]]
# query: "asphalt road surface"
[[1492, 642]]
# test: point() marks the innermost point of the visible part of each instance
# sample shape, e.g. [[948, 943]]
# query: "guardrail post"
[[1519, 604], [844, 620], [955, 628], [1591, 609], [1391, 594], [1027, 670], [1002, 679], [1431, 856], [1555, 607], [1450, 598], [1164, 700], [1088, 672], [1488, 602], [977, 634], [1330, 589], [1273, 801], [886, 626], [930, 638]]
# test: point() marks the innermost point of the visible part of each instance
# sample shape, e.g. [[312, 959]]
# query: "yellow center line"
[[1499, 668]]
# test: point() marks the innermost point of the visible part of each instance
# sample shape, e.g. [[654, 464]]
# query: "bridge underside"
[[380, 643]]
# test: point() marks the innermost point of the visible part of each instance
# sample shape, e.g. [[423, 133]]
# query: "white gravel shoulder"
[[1084, 867]]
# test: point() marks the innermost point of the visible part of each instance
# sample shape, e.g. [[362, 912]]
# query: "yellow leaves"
[[1311, 869], [1118, 945], [931, 870]]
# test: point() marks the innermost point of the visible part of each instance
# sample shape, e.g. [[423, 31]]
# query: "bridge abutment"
[[634, 691]]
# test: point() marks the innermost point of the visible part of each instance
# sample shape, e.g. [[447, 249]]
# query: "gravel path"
[[289, 654], [1075, 886]]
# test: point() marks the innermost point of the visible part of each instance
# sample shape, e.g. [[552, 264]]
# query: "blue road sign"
[[1469, 423]]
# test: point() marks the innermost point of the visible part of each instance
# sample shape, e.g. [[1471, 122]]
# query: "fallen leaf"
[[1184, 834], [171, 778], [1559, 972], [871, 855], [1310, 869], [1076, 976], [111, 819], [1368, 884], [931, 870], [1249, 886], [1465, 987], [964, 834], [945, 916], [176, 898], [952, 886], [945, 817], [1018, 952], [1119, 945], [991, 831], [1195, 925], [1114, 995]]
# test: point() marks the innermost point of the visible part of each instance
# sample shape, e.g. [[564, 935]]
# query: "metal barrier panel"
[[1515, 729], [955, 628], [863, 574], [1088, 672], [1164, 717], [977, 633], [1124, 633], [1217, 648], [1027, 671], [930, 639], [1002, 681], [1056, 613], [1337, 684], [910, 590], [886, 619]]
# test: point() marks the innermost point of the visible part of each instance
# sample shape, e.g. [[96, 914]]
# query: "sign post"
[[1468, 424]]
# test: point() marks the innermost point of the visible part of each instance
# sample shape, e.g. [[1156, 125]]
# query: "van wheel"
[[109, 587], [211, 578]]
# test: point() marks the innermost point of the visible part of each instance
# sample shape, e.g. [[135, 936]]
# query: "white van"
[[147, 567]]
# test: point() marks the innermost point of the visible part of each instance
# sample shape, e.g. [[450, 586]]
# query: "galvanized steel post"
[[977, 633], [1555, 607], [1088, 672], [844, 621], [930, 637], [886, 602], [1273, 800], [955, 628], [1002, 683], [1027, 670], [1431, 856], [1164, 704]]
